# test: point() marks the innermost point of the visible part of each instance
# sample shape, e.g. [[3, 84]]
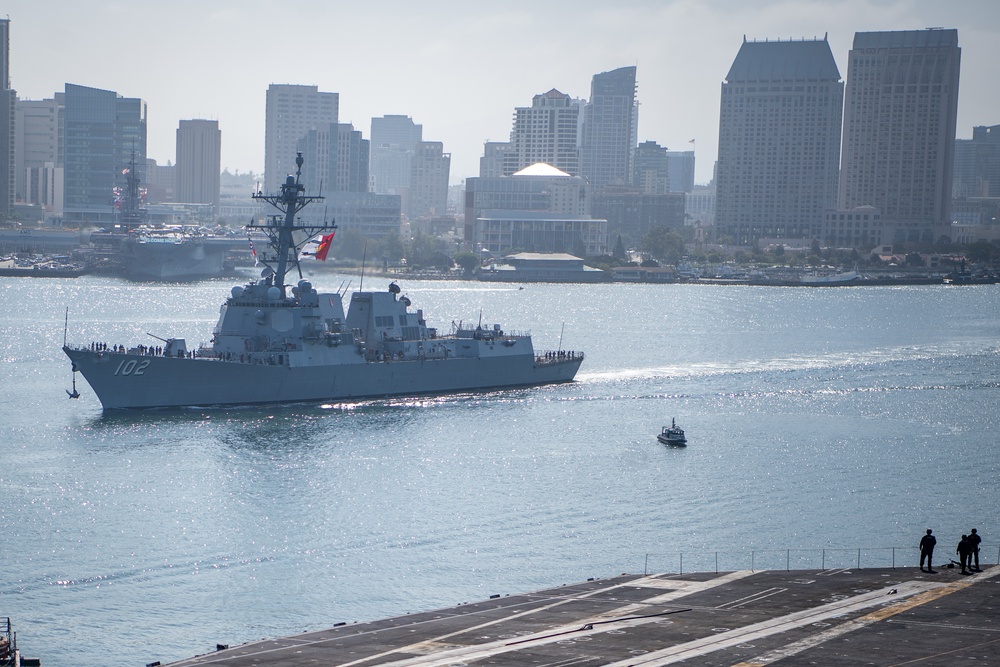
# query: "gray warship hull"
[[281, 343], [124, 380], [188, 259]]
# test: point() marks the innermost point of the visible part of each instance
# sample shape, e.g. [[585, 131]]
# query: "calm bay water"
[[832, 418]]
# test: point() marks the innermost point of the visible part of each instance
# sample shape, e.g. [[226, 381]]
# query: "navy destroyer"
[[281, 343]]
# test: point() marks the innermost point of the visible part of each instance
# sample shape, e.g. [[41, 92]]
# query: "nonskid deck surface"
[[743, 619]]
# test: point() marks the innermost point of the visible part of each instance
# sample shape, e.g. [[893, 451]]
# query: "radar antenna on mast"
[[279, 229]]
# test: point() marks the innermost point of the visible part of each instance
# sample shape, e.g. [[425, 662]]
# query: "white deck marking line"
[[558, 633], [689, 588], [731, 638], [862, 622], [294, 641], [756, 597]]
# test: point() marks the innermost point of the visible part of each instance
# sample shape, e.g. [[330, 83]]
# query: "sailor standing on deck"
[[964, 551], [974, 541], [927, 543]]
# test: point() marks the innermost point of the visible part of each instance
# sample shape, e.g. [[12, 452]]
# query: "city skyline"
[[422, 65]]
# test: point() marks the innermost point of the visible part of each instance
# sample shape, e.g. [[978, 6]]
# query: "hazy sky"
[[457, 68]]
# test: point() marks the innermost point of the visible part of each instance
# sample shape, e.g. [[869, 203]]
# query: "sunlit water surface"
[[817, 418]]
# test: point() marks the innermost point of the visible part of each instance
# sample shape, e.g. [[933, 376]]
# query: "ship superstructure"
[[276, 343]]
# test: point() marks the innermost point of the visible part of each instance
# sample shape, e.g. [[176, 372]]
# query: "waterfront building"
[[977, 164], [39, 153], [859, 227], [610, 129], [548, 131], [373, 215], [394, 139], [291, 112], [900, 116], [104, 133], [539, 187], [502, 232], [8, 99], [699, 204], [199, 162], [779, 141], [986, 229], [632, 213], [975, 211], [537, 267], [429, 172]]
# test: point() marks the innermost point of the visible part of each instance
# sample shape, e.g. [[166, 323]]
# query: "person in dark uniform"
[[974, 539], [927, 543], [964, 550]]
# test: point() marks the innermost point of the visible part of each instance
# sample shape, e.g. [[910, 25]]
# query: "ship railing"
[[544, 357], [804, 559], [8, 642]]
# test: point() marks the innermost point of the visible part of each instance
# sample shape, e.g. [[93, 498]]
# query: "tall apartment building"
[[103, 133], [900, 116], [779, 141], [199, 162], [8, 98], [610, 129], [393, 140], [429, 172], [292, 111], [548, 131], [39, 153]]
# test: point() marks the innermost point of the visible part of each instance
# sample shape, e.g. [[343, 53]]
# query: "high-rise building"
[[491, 163], [104, 134], [900, 116], [977, 164], [779, 141], [336, 159], [393, 141], [610, 129], [8, 98], [292, 111], [39, 152], [353, 159], [548, 131], [429, 173], [199, 162], [680, 167]]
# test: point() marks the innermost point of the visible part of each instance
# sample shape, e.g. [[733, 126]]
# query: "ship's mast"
[[131, 214], [290, 200]]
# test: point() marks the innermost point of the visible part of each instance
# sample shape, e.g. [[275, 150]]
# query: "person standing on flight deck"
[[974, 541], [964, 550], [927, 543]]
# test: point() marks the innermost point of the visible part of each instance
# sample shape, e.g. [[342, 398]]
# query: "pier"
[[881, 616]]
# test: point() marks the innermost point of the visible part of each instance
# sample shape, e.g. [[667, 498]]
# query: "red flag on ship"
[[252, 251], [324, 246]]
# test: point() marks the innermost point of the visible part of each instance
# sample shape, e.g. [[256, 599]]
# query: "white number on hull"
[[131, 367]]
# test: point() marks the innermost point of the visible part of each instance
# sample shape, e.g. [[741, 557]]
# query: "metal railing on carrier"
[[8, 642], [804, 559]]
